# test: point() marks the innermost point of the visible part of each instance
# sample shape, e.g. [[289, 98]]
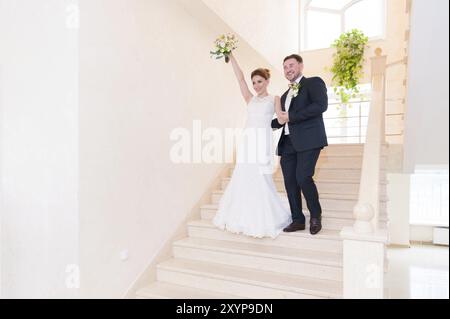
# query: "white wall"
[[422, 234], [398, 207], [83, 179], [38, 147], [427, 130], [145, 69], [271, 27]]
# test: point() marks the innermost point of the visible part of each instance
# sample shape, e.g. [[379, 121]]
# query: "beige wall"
[[145, 69]]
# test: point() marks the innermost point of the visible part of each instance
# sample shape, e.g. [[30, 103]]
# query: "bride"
[[251, 204]]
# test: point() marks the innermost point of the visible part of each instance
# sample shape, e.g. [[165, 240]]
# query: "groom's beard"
[[296, 78]]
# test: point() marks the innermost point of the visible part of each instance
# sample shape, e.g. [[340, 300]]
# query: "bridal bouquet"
[[224, 45]]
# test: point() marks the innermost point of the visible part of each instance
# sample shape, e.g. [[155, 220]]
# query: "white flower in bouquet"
[[223, 46]]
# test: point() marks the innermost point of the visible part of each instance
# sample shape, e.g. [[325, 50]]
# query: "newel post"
[[364, 243], [366, 211]]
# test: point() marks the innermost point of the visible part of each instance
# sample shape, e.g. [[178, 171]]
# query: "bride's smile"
[[260, 84]]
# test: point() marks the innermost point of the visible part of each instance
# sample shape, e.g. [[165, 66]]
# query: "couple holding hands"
[[251, 204]]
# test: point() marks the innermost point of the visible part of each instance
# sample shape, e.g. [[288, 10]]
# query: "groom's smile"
[[292, 69]]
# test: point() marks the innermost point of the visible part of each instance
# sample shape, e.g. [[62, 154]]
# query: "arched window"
[[323, 21]]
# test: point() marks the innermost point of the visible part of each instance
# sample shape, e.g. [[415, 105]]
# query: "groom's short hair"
[[294, 56]]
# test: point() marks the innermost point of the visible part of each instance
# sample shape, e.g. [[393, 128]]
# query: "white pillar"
[[364, 264]]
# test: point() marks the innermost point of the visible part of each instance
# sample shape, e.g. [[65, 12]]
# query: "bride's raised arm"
[[241, 80]]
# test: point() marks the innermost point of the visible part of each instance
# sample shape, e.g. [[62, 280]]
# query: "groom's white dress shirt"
[[287, 104]]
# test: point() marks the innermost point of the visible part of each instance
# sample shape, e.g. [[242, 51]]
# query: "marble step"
[[210, 210], [333, 220], [309, 263], [161, 290], [245, 282], [343, 162], [338, 174], [335, 202], [323, 186], [349, 150], [326, 240]]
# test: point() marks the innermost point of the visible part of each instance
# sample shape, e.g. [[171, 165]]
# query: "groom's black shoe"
[[295, 226], [315, 225]]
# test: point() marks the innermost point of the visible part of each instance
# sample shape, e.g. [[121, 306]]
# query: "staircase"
[[213, 264]]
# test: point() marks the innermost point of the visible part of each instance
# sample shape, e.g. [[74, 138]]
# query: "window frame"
[[305, 8]]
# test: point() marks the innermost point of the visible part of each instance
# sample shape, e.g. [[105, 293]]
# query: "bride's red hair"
[[265, 73]]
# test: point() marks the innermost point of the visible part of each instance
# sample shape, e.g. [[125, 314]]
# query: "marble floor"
[[419, 272]]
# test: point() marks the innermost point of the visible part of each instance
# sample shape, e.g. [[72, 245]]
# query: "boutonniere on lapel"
[[295, 88]]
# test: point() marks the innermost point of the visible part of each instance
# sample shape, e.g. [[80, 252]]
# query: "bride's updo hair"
[[264, 73]]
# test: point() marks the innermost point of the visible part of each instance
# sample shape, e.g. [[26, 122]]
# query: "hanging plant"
[[348, 64]]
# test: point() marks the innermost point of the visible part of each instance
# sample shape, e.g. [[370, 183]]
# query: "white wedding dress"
[[251, 204]]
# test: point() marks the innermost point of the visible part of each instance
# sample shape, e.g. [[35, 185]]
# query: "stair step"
[[326, 240], [327, 223], [340, 174], [336, 174], [344, 182], [344, 162], [322, 188], [348, 181], [327, 200], [161, 290], [317, 264], [243, 282], [327, 187], [330, 220], [348, 150], [209, 211]]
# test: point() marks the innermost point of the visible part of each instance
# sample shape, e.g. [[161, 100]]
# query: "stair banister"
[[364, 244], [367, 210]]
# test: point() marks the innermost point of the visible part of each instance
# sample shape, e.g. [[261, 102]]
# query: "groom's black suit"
[[300, 149]]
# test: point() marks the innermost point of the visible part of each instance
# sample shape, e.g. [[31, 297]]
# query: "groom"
[[302, 139]]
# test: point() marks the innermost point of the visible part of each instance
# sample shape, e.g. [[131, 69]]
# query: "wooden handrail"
[[403, 61]]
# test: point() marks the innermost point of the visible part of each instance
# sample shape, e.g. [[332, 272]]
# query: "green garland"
[[348, 64]]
